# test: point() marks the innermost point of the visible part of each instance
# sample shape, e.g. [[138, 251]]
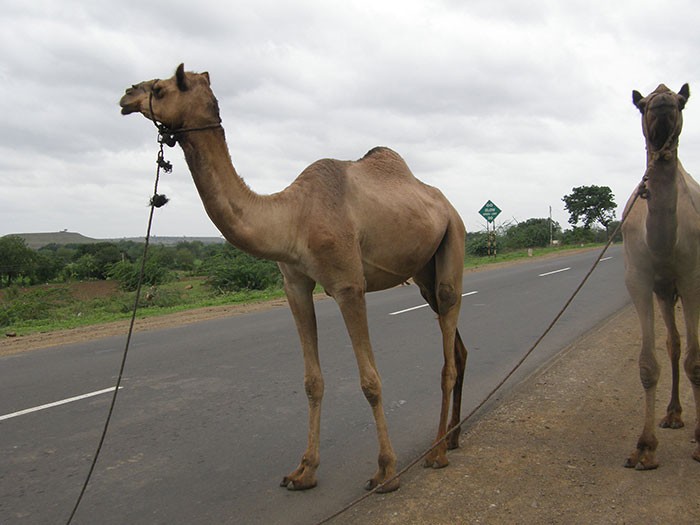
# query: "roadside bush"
[[477, 244], [232, 270], [583, 236], [532, 233], [16, 307], [127, 274]]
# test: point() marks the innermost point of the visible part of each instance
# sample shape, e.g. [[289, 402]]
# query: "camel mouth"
[[134, 97], [129, 102]]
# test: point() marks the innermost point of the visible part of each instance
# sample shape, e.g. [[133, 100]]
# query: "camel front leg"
[[691, 310], [351, 300], [644, 457], [299, 289], [672, 419]]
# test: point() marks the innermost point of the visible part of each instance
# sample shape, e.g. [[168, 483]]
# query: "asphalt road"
[[212, 415]]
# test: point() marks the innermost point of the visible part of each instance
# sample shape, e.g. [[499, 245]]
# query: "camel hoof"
[[672, 421], [453, 442], [436, 463], [291, 484], [646, 466], [391, 486], [641, 463]]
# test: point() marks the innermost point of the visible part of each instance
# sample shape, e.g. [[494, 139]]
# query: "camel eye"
[[157, 91]]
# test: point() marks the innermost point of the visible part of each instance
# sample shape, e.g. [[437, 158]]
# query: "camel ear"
[[637, 99], [206, 75], [181, 78], [684, 95]]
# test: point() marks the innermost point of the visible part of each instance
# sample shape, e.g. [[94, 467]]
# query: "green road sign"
[[489, 211]]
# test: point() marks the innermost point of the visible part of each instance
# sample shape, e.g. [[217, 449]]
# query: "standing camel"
[[352, 227], [662, 258]]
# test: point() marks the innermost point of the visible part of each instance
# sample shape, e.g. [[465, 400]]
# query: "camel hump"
[[381, 151]]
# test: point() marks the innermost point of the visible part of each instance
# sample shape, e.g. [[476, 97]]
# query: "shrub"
[[478, 244], [127, 274], [232, 270]]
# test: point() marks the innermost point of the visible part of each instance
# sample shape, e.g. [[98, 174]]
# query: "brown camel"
[[662, 258], [352, 227]]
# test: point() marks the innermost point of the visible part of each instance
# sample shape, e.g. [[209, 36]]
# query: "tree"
[[16, 259], [590, 204], [532, 233], [47, 266]]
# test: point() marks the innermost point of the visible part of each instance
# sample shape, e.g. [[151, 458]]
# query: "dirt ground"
[[550, 452]]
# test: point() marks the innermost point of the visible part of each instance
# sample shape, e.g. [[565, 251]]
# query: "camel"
[[662, 258], [351, 226]]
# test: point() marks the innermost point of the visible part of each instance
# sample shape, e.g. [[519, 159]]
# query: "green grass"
[[24, 311], [517, 255]]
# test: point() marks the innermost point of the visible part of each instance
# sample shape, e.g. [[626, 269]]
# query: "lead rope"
[[156, 202], [643, 193]]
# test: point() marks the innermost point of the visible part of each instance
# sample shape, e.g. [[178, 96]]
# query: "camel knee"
[[372, 389], [449, 378], [692, 370], [313, 385], [649, 375], [350, 292], [447, 297]]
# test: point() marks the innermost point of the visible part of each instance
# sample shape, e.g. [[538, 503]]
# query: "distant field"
[[38, 240]]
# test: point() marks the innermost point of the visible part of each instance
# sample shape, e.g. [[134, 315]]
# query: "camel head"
[[662, 117], [183, 101]]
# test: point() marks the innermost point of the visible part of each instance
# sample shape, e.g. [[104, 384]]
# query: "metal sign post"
[[490, 211]]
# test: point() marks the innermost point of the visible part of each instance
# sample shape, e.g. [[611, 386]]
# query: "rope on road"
[[642, 192]]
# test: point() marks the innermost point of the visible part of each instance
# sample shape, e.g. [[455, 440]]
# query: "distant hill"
[[37, 240]]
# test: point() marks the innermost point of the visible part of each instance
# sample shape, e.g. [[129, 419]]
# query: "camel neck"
[[247, 220], [662, 221]]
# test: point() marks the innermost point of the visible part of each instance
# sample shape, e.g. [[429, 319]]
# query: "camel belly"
[[380, 275]]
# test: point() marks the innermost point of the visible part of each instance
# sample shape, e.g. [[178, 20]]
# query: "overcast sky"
[[517, 102]]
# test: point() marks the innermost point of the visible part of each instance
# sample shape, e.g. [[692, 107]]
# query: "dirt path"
[[552, 451]]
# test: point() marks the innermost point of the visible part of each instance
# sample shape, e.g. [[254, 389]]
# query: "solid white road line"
[[424, 305], [555, 271], [57, 403], [605, 259]]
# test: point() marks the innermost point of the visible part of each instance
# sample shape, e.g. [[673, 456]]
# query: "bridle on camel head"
[[165, 134], [664, 153]]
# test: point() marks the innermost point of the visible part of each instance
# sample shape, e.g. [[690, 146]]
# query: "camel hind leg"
[[461, 364], [691, 311], [440, 283]]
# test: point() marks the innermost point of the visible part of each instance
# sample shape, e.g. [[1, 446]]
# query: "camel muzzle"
[[131, 101]]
